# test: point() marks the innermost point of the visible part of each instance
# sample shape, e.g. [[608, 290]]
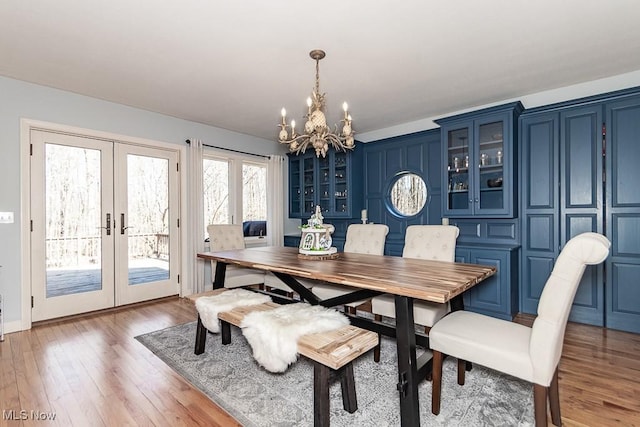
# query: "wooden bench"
[[331, 352]]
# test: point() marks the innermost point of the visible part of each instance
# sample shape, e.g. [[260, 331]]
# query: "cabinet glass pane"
[[308, 192], [340, 183], [324, 187], [294, 187], [490, 157], [458, 167]]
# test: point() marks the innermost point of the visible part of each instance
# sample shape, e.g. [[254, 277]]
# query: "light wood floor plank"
[[91, 371]]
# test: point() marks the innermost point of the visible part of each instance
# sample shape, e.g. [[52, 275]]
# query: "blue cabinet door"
[[478, 153], [302, 185], [327, 182], [623, 215], [496, 296], [581, 200], [295, 187], [539, 198]]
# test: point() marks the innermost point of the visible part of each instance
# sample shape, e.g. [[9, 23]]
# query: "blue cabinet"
[[622, 163], [478, 155], [561, 198], [326, 181], [496, 296], [577, 165]]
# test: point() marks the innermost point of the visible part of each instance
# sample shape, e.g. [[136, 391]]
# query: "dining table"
[[368, 275]]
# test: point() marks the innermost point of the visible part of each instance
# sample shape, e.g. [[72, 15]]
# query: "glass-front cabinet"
[[324, 181], [478, 157]]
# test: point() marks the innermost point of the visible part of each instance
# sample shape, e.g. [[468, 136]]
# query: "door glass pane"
[[215, 182], [147, 219], [458, 156], [490, 163], [73, 220]]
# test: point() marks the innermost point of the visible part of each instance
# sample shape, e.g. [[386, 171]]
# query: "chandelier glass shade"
[[316, 133]]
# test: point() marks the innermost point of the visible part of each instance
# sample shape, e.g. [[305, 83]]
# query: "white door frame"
[[26, 125]]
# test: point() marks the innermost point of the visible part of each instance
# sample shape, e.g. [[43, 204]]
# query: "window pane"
[[254, 192], [215, 182]]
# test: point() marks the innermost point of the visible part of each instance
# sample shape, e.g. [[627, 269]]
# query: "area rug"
[[229, 376]]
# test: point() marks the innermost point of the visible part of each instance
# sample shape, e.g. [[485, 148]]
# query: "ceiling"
[[235, 64]]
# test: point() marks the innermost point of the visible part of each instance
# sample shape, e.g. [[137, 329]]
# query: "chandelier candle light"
[[316, 132]]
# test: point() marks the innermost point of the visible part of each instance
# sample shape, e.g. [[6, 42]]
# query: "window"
[[235, 188], [408, 194], [216, 191], [254, 192]]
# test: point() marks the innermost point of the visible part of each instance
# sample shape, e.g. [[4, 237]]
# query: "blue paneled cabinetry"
[[578, 161]]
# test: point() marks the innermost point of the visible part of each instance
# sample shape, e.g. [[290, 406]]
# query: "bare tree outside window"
[[72, 210], [409, 194], [254, 192], [215, 182]]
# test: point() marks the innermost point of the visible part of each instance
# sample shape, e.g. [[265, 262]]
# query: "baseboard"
[[15, 326]]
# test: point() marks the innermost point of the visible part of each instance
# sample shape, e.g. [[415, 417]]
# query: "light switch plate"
[[6, 217]]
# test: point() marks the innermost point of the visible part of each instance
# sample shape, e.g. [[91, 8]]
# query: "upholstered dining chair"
[[531, 354], [227, 237], [360, 239], [434, 242]]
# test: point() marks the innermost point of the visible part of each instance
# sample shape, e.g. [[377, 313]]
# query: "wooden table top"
[[436, 281]]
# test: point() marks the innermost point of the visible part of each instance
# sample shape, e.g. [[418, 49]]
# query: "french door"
[[105, 224]]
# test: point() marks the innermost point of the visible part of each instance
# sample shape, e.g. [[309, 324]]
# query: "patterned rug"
[[231, 378]]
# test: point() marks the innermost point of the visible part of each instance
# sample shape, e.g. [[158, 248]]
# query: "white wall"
[[24, 100], [596, 87]]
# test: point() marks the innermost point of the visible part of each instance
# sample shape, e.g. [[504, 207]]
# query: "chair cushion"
[[240, 276], [494, 343], [435, 242], [326, 291], [366, 238], [273, 282], [425, 313], [225, 237]]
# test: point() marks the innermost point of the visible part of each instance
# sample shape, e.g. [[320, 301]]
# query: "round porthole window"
[[408, 194]]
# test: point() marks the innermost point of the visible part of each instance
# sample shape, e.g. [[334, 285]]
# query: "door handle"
[[108, 223], [122, 227]]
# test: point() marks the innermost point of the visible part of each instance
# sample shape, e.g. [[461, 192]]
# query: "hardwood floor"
[[90, 371]]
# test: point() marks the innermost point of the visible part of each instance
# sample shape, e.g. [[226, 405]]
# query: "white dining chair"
[[531, 354], [360, 239], [433, 242], [227, 237]]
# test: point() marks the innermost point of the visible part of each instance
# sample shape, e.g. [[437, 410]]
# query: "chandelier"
[[316, 132]]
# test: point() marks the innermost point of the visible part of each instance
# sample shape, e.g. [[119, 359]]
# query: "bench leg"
[[348, 384], [225, 332], [201, 337], [321, 375]]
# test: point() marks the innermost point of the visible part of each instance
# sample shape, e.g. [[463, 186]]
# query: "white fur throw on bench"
[[209, 307], [273, 335]]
